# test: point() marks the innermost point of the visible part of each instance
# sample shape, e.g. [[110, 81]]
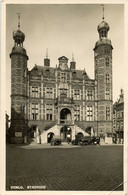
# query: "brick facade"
[[49, 98], [118, 118]]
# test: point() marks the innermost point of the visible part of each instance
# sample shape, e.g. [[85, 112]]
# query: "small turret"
[[72, 63], [46, 60]]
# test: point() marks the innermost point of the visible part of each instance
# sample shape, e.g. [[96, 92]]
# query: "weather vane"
[[18, 21], [103, 11]]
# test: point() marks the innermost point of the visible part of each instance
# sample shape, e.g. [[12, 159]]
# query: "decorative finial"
[[103, 11], [47, 53], [18, 21], [72, 56]]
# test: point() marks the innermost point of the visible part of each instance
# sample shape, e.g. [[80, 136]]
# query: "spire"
[[72, 56], [46, 60], [46, 53], [18, 21], [103, 27], [103, 11], [72, 63], [18, 36]]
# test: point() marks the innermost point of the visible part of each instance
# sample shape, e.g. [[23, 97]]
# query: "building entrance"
[[32, 131], [65, 115], [65, 133], [49, 137]]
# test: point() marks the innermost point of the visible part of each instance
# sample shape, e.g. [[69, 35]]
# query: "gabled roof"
[[62, 58], [45, 70], [48, 71], [79, 74]]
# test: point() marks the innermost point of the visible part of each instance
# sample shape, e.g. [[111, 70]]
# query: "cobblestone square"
[[89, 168]]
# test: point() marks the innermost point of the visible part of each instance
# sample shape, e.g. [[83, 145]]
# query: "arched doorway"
[[90, 131], [32, 131], [49, 137], [79, 135], [65, 115], [65, 133]]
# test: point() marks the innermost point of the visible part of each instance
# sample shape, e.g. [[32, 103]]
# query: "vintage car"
[[86, 141], [56, 141], [95, 141], [81, 141]]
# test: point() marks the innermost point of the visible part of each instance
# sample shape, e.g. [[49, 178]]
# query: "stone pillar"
[[37, 135]]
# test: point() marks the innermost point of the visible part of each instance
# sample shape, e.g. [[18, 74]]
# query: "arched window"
[[102, 33], [25, 73], [107, 94], [47, 71], [107, 113], [107, 78], [107, 61]]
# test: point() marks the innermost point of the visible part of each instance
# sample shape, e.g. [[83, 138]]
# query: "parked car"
[[81, 141], [56, 141], [86, 141], [95, 141]]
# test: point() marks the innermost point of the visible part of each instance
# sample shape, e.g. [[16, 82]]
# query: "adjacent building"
[[118, 118], [7, 125], [60, 100]]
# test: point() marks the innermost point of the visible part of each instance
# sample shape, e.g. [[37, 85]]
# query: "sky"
[[65, 29]]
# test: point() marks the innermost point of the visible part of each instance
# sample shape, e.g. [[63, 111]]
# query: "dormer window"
[[47, 70], [35, 68], [74, 74]]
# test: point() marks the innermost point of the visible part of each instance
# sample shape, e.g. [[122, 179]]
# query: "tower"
[[18, 129], [103, 76]]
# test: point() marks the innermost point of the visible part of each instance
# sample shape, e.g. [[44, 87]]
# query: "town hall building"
[[61, 100]]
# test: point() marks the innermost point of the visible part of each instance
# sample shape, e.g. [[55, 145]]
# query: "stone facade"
[[61, 101]]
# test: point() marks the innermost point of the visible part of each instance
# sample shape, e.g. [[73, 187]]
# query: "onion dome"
[[19, 37], [103, 25], [103, 29]]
